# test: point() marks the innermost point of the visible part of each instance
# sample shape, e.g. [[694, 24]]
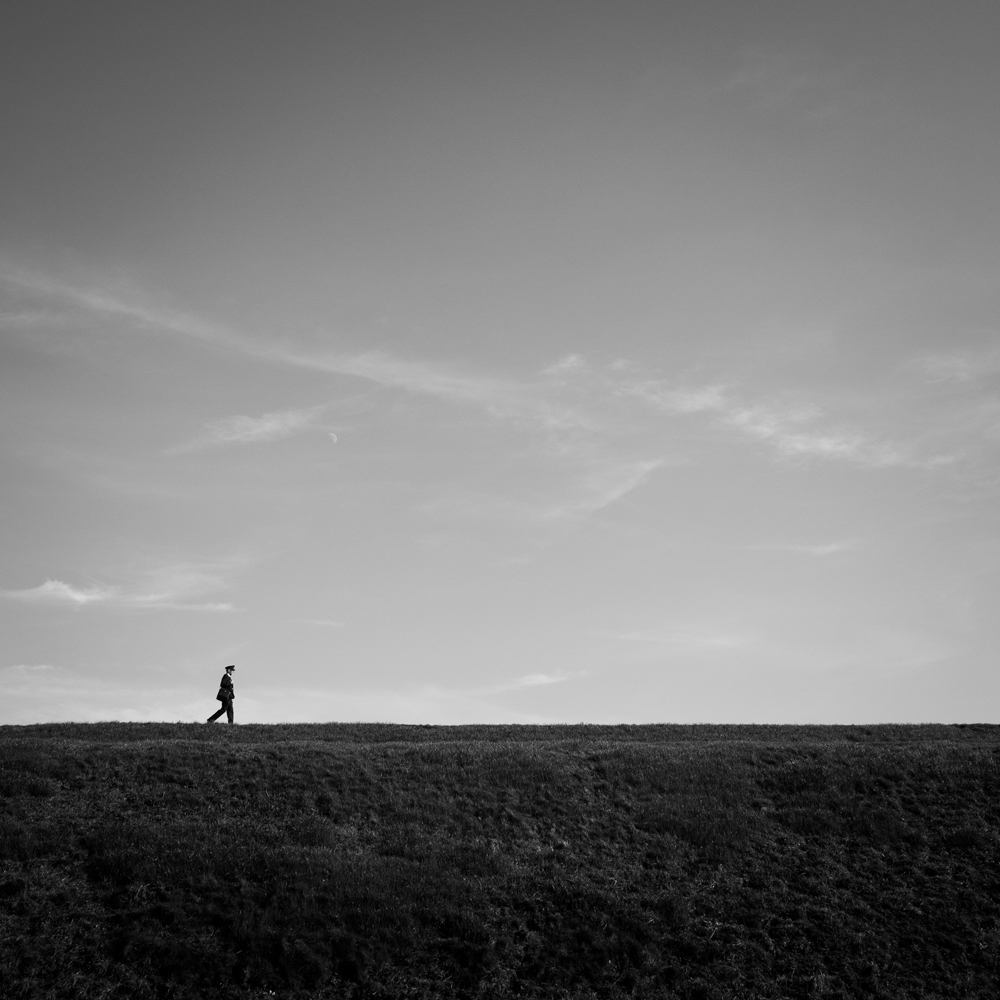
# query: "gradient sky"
[[518, 362]]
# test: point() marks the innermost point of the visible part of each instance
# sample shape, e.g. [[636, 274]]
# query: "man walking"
[[226, 695]]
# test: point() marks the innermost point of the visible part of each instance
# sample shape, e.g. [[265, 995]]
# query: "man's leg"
[[212, 718], [229, 711]]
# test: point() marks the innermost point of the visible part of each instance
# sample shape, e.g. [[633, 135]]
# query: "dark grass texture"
[[383, 861]]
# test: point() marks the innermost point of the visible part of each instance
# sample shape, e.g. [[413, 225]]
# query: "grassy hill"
[[382, 861]]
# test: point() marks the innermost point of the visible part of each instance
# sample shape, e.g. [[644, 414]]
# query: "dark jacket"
[[226, 689]]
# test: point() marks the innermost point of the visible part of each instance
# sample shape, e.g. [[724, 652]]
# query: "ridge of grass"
[[388, 732], [384, 861]]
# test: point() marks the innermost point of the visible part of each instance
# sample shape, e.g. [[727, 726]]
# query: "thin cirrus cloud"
[[571, 430], [826, 549], [685, 639], [604, 486], [530, 401], [785, 429], [105, 302], [571, 404], [504, 397], [573, 435], [603, 483], [534, 680], [57, 592], [789, 80], [253, 430], [174, 588], [501, 397], [832, 548], [575, 427], [960, 366], [963, 403], [525, 682]]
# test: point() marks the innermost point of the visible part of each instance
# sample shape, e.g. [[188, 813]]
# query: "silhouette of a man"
[[226, 695]]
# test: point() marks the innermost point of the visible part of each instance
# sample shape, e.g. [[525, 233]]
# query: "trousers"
[[227, 707]]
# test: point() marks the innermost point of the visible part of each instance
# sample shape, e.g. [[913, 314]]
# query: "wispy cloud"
[[605, 485], [525, 682], [178, 587], [828, 549], [789, 429], [571, 415], [503, 398], [30, 318], [25, 670], [783, 430], [602, 483], [106, 302], [670, 399], [686, 638], [253, 430], [961, 407], [825, 550], [598, 423], [960, 366], [535, 680], [791, 79], [57, 592]]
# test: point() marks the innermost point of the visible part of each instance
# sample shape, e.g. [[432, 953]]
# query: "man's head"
[[230, 668]]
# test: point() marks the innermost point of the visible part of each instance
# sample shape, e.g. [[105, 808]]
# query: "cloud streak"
[[783, 431], [960, 366], [103, 302], [57, 592], [174, 588], [685, 639], [829, 549], [584, 418], [503, 398], [253, 430], [606, 485], [787, 430], [527, 682]]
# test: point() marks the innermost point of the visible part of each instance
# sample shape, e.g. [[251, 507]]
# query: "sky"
[[460, 362]]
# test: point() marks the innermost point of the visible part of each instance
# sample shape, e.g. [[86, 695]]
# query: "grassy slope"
[[395, 861]]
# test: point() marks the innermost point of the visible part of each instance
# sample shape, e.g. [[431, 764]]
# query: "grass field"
[[382, 861]]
